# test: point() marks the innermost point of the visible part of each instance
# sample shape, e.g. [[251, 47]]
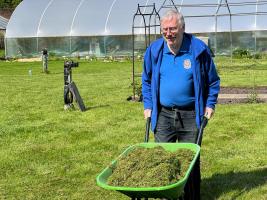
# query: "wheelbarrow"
[[171, 191]]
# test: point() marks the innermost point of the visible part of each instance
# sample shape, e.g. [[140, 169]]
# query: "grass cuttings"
[[151, 167]]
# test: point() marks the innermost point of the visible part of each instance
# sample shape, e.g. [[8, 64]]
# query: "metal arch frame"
[[218, 5], [255, 39], [145, 26], [39, 24], [216, 24], [169, 6], [231, 39], [72, 23], [71, 27]]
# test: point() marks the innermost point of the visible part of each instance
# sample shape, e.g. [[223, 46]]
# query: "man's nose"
[[168, 31]]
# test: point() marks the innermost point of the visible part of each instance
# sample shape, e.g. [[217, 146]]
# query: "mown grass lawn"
[[242, 72], [49, 153]]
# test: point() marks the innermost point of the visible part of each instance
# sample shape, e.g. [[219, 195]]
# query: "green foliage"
[[253, 97], [9, 3], [245, 53], [52, 54], [257, 56], [241, 53], [138, 87]]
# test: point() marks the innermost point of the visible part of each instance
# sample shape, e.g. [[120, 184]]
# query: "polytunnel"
[[105, 27]]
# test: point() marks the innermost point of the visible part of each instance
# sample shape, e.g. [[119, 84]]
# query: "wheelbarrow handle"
[[148, 121], [204, 123]]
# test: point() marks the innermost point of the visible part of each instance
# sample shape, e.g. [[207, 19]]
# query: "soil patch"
[[251, 95], [243, 90], [236, 101]]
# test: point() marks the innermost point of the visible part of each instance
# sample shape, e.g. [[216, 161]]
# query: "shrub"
[[241, 53], [257, 56], [52, 54], [138, 88]]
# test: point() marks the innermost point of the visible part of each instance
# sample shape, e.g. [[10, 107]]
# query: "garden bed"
[[251, 95]]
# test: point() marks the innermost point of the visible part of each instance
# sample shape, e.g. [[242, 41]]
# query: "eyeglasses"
[[171, 29]]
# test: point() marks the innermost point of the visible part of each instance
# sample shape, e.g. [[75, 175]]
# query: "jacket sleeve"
[[212, 81], [146, 80]]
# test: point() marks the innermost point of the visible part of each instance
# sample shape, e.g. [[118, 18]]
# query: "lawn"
[[242, 72], [49, 153]]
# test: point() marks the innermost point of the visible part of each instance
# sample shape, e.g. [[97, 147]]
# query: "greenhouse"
[[92, 28]]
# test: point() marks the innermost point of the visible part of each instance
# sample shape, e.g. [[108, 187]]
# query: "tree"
[[11, 4]]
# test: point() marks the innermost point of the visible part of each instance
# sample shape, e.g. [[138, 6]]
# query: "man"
[[180, 85]]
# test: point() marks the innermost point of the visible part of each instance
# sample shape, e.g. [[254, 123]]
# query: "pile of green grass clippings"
[[151, 167]]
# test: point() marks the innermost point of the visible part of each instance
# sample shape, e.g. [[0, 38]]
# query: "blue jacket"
[[206, 79]]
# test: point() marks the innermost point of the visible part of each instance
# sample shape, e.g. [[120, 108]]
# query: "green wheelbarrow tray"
[[172, 191]]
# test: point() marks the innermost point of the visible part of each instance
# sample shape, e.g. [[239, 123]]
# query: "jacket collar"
[[197, 46], [185, 46]]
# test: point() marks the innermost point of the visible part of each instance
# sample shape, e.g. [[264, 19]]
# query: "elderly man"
[[180, 85]]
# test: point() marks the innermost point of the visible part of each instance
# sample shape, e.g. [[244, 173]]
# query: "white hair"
[[173, 13]]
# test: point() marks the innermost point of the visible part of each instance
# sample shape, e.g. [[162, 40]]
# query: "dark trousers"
[[180, 125]]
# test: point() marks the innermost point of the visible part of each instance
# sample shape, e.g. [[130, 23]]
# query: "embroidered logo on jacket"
[[187, 64]]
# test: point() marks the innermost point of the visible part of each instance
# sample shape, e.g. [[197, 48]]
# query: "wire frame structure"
[[148, 28], [223, 9]]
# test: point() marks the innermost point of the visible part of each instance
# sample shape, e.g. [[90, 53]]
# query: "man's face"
[[172, 31]]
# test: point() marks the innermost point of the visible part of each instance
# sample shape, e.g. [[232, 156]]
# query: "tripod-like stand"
[[70, 88]]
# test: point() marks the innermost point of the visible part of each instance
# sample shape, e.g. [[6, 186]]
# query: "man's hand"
[[147, 113], [208, 112]]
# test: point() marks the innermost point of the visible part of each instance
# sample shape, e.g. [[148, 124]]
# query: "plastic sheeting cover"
[[48, 18]]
